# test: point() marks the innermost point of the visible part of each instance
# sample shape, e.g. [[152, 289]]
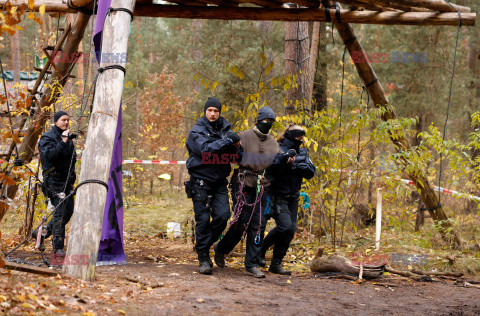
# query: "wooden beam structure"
[[379, 98], [90, 200], [275, 13], [303, 14]]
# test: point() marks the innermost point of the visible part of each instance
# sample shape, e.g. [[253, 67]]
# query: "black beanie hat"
[[58, 115], [265, 112], [213, 102]]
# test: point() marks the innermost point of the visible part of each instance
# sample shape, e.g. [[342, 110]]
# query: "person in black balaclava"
[[211, 148], [58, 158], [259, 150], [286, 181]]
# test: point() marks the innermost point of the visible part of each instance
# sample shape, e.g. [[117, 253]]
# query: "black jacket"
[[286, 179], [56, 153], [210, 151]]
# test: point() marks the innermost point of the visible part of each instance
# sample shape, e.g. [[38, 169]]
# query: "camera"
[[72, 136]]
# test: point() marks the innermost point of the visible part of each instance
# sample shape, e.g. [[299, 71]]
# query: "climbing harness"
[[241, 202]]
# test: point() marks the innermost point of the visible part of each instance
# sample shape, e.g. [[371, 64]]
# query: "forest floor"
[[168, 268], [185, 292]]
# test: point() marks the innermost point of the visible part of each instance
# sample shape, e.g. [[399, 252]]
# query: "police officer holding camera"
[[211, 147], [58, 158]]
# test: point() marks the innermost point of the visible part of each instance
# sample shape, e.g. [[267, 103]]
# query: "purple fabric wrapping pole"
[[111, 248]]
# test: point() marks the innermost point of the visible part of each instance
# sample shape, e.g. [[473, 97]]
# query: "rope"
[[449, 100], [241, 202], [110, 10]]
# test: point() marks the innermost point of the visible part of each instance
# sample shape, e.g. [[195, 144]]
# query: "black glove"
[[289, 154], [233, 136]]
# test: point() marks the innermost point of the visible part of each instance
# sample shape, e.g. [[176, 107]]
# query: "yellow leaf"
[[20, 298], [88, 314], [42, 9], [3, 298], [27, 305], [31, 3], [32, 297], [289, 282], [214, 85], [121, 311], [268, 69]]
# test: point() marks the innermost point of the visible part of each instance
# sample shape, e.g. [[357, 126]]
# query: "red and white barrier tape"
[[438, 189], [156, 162]]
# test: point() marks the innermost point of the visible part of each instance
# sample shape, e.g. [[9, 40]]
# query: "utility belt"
[[193, 185]]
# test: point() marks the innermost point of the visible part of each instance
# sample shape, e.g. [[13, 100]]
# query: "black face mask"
[[296, 142], [264, 127]]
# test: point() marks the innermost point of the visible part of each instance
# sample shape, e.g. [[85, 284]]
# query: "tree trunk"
[[87, 218], [379, 98], [16, 62], [29, 141], [321, 75], [296, 61], [312, 62]]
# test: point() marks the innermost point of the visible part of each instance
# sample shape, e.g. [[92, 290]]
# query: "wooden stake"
[[87, 218], [378, 219]]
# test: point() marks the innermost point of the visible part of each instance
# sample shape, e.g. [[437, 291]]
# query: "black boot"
[[276, 267], [204, 265], [219, 256]]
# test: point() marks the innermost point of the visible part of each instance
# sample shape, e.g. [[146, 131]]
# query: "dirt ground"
[[227, 291]]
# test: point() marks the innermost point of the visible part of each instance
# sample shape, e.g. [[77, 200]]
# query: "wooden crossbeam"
[[435, 5], [303, 14], [389, 5]]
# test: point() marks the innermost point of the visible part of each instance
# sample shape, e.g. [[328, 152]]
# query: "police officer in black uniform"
[[58, 158], [286, 181], [211, 148]]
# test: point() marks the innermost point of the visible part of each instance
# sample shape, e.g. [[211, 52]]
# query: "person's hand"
[[65, 135], [291, 159], [234, 137], [238, 144]]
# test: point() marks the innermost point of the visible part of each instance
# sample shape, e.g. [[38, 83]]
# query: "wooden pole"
[[379, 98], [29, 141], [302, 14], [87, 219], [281, 14]]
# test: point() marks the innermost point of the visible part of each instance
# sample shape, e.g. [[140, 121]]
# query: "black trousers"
[[235, 232], [284, 211], [209, 201], [62, 214]]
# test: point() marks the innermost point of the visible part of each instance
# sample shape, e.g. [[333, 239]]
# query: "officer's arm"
[[198, 143], [305, 167], [51, 149]]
